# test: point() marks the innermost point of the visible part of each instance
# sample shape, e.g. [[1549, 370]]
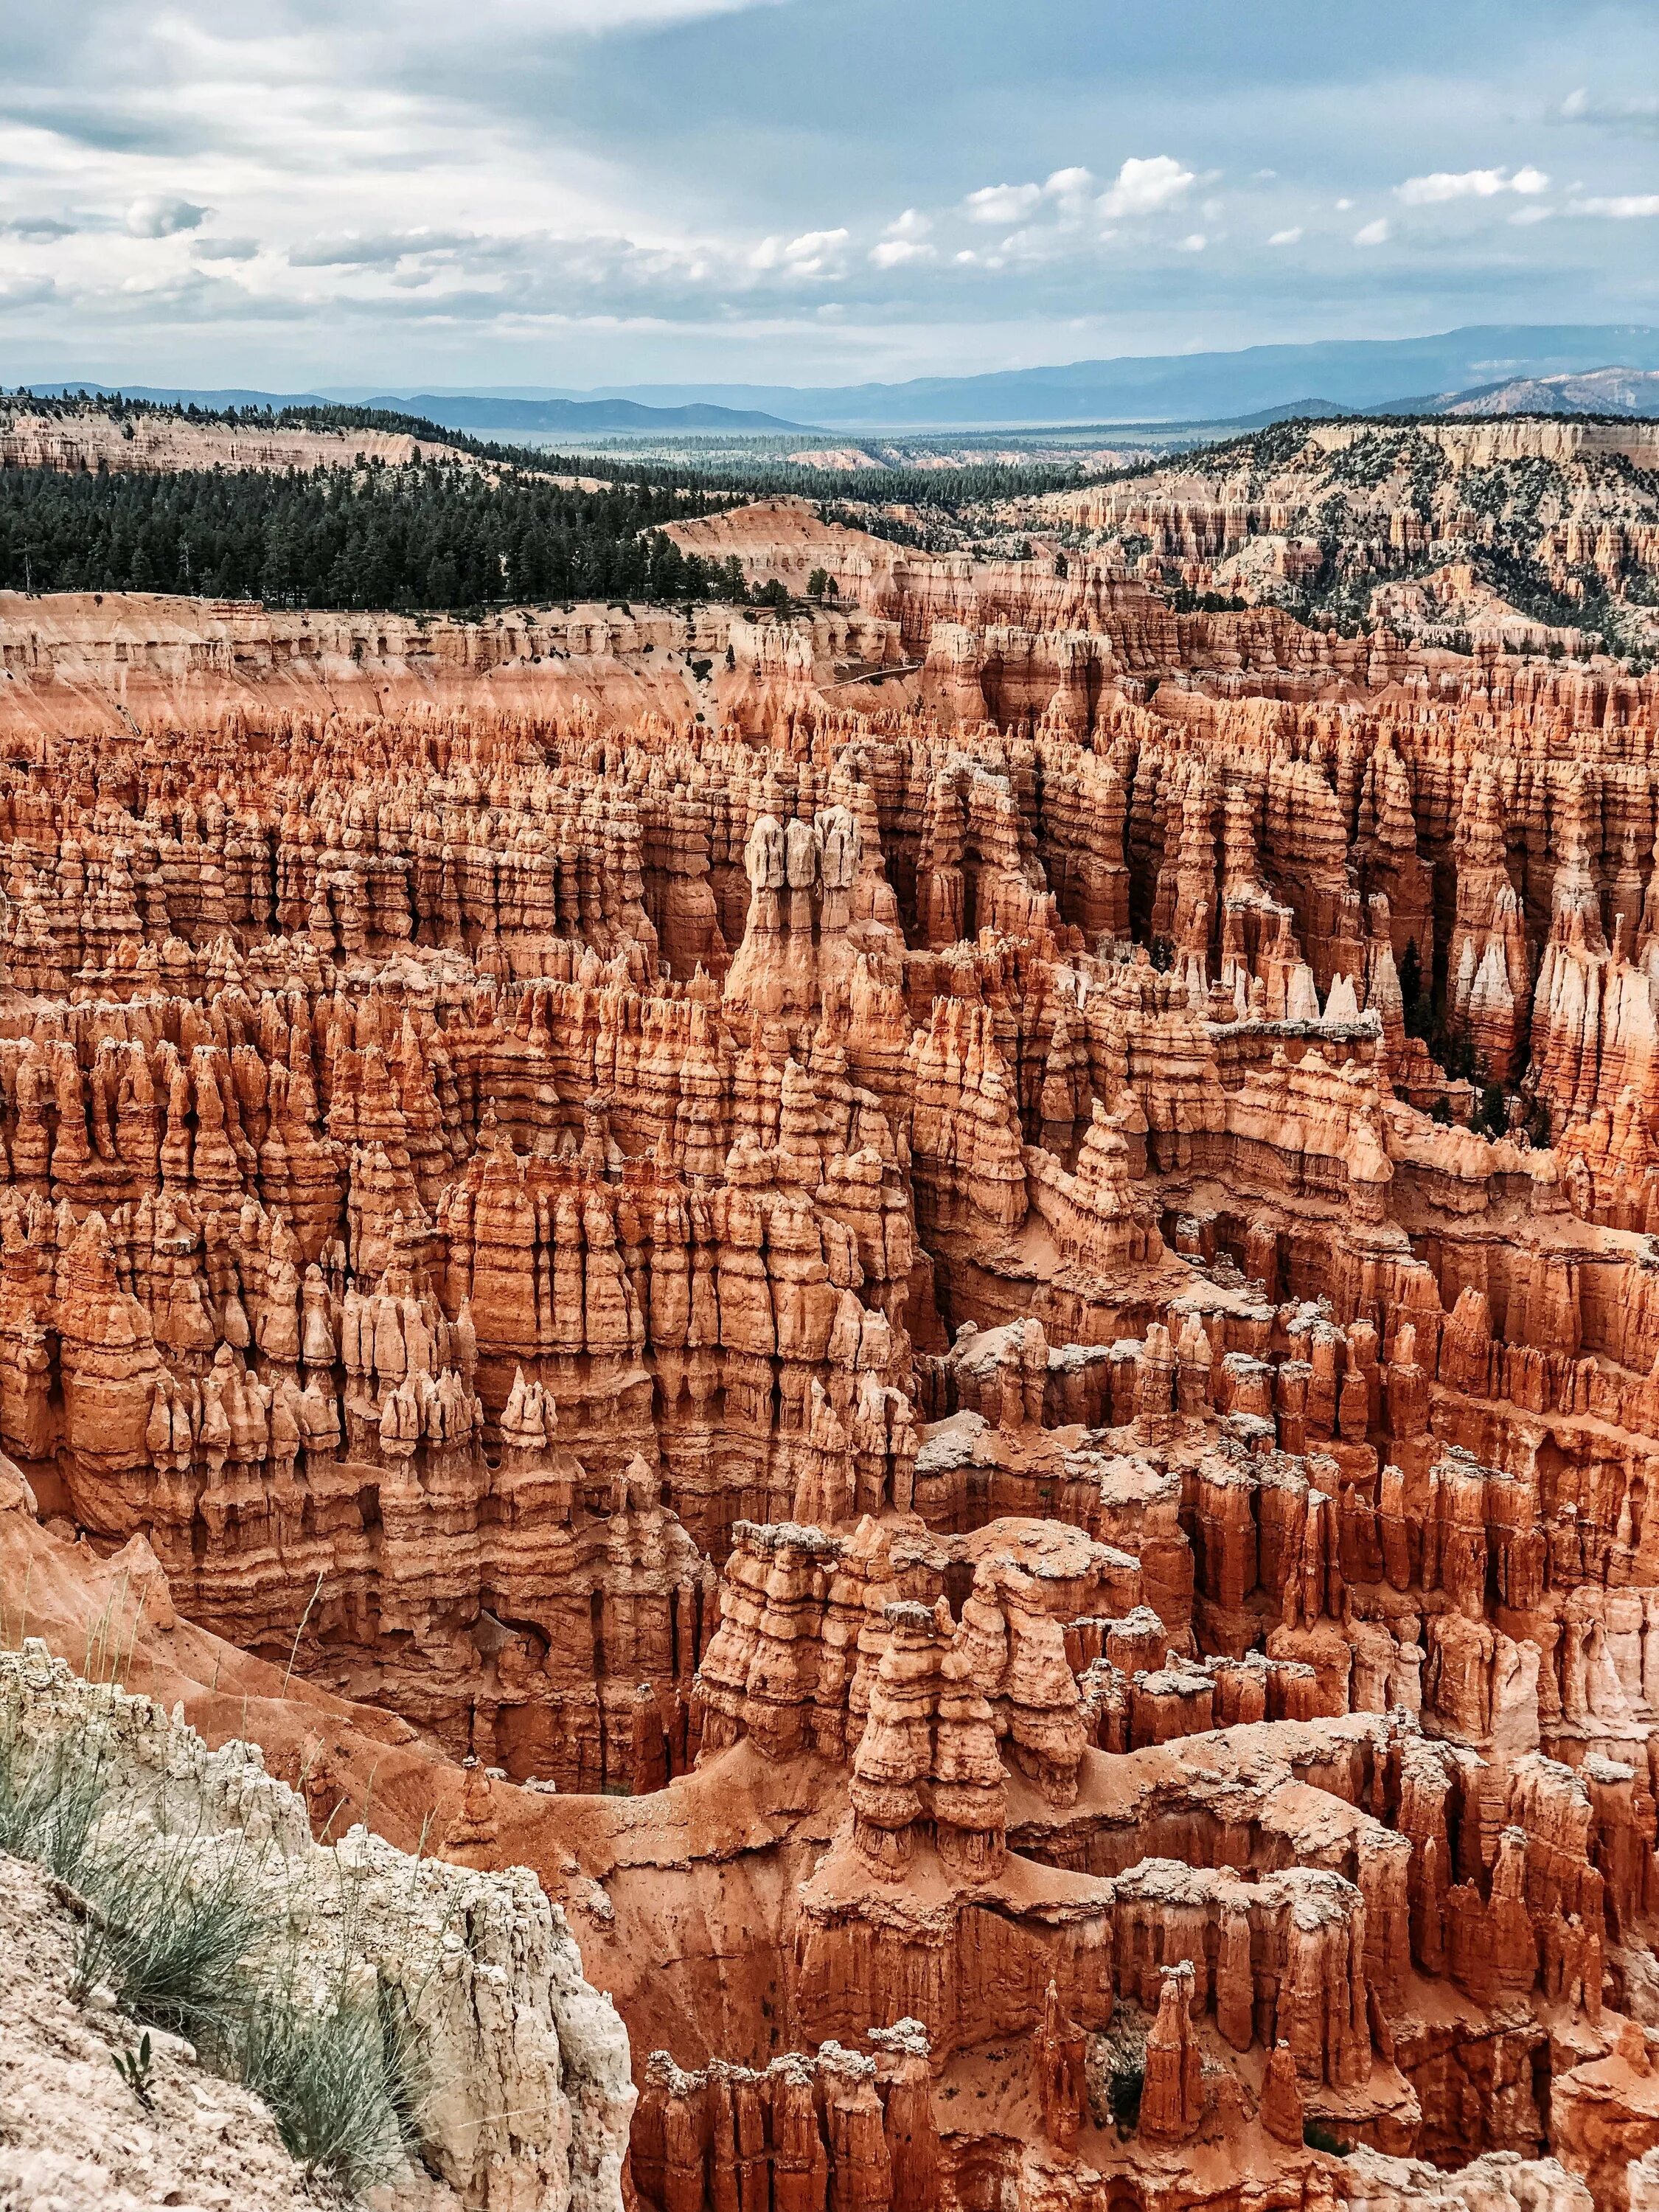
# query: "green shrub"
[[1492, 1115], [1317, 2136]]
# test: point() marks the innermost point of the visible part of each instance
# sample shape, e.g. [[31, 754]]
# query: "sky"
[[572, 193]]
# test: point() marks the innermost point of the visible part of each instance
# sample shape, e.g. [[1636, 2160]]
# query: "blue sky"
[[577, 191]]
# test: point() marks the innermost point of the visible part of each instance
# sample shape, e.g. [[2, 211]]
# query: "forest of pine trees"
[[442, 536], [437, 537]]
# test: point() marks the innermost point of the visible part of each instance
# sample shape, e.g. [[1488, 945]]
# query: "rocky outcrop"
[[529, 2095], [76, 2136]]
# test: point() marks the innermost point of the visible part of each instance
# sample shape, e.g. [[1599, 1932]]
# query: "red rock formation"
[[874, 1312]]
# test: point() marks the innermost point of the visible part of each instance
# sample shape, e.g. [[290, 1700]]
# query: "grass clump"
[[172, 1932], [51, 1797], [343, 2083]]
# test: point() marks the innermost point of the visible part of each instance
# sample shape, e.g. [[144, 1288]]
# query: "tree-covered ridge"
[[752, 476], [439, 536]]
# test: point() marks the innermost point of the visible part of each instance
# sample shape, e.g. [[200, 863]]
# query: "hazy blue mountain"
[[478, 412], [175, 395], [1346, 373], [1259, 383]]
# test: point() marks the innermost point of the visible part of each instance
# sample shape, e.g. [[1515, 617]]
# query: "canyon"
[[948, 1297], [1517, 532]]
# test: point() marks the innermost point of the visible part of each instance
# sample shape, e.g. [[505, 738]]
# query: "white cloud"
[[383, 250], [1468, 184], [337, 146], [1002, 203], [1343, 206], [1442, 185], [1068, 190], [1373, 233], [1144, 187], [1071, 190], [894, 252], [1621, 206], [814, 253], [155, 215], [1523, 217]]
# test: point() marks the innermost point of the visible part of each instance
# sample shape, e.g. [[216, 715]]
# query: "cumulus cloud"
[[1143, 188], [1468, 184], [1622, 207], [1290, 237], [157, 215], [904, 240], [1194, 242], [1373, 233], [1002, 203], [1071, 192], [1144, 185], [814, 253], [894, 252]]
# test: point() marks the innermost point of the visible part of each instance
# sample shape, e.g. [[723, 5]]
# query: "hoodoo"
[[978, 1360]]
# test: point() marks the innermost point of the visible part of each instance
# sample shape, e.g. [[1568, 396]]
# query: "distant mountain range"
[[1601, 392], [1350, 375], [1496, 367], [478, 412], [1632, 392]]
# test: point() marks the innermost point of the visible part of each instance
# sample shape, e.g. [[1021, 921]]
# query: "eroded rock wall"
[[988, 1347]]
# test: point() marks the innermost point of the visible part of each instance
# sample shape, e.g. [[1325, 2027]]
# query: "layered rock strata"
[[980, 1361]]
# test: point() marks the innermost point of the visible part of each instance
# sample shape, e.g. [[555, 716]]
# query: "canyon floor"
[[949, 1300]]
